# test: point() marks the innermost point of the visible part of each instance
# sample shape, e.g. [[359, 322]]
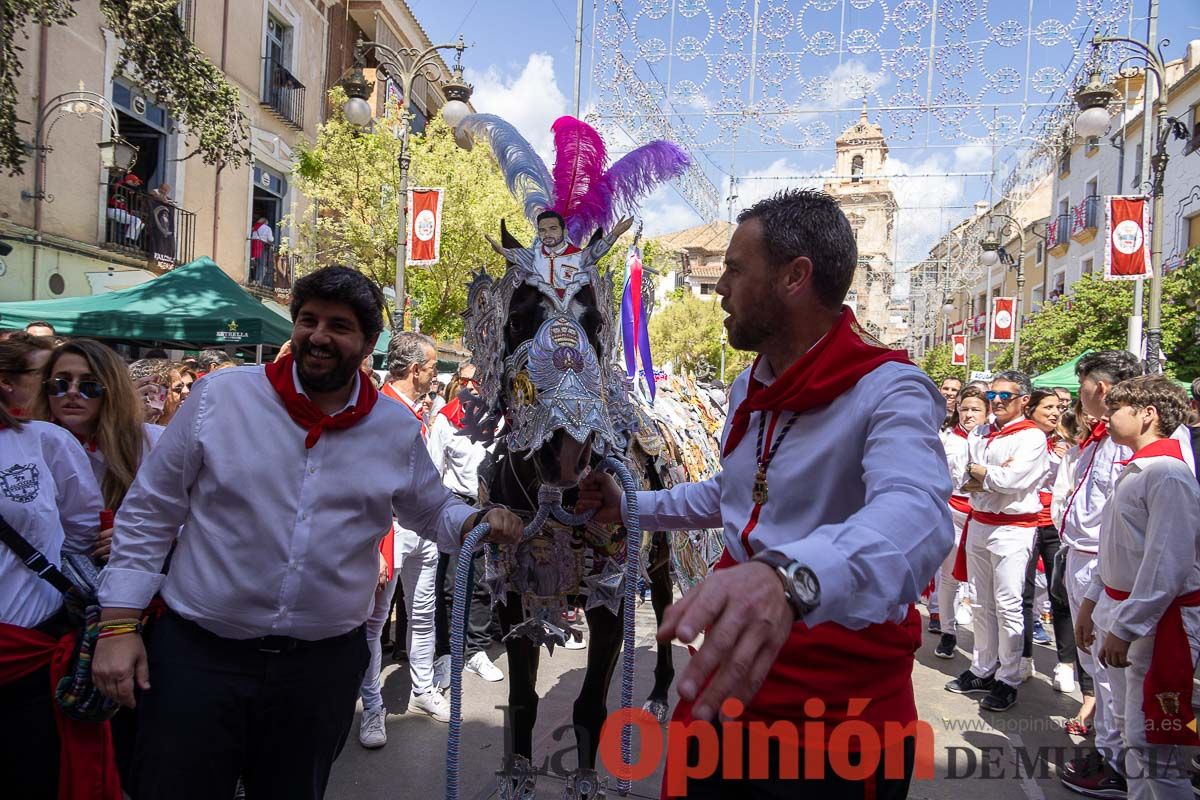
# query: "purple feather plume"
[[578, 165], [638, 173]]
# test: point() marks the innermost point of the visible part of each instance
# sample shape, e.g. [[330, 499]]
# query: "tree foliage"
[[156, 51], [936, 364], [1096, 314], [688, 332]]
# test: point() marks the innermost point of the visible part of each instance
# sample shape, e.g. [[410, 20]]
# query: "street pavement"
[[1014, 755]]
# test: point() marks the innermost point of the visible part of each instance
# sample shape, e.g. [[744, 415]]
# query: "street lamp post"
[[404, 65], [1093, 100], [991, 256]]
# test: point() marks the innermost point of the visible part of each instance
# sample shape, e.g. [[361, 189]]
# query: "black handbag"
[[75, 694]]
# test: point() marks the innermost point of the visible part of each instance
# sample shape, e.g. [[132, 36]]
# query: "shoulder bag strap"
[[1194, 434], [33, 558]]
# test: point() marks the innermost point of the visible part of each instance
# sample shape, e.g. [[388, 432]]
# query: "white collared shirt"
[[455, 456], [858, 492], [1084, 488], [100, 463], [276, 538], [48, 495], [1016, 466], [1149, 545]]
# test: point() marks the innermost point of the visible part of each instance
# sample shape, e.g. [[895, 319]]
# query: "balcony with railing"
[[269, 270], [1085, 219], [141, 224], [283, 93], [1058, 234]]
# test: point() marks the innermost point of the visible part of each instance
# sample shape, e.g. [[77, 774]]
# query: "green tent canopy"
[[1061, 376], [196, 304]]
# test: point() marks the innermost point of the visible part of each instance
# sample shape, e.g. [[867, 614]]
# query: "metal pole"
[[1017, 306], [970, 336], [578, 53], [1154, 364], [987, 333], [402, 214], [1134, 338]]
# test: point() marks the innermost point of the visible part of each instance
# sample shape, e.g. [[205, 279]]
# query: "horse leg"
[[522, 681], [661, 596], [591, 707]]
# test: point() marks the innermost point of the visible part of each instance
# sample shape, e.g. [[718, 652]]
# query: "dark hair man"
[[40, 328], [276, 485], [814, 594]]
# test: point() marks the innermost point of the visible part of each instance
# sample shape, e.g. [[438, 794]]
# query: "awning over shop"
[[196, 303], [1061, 376]]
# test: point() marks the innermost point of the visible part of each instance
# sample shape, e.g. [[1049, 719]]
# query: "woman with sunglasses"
[[178, 388], [1045, 410], [49, 496], [968, 418], [22, 357], [89, 392]]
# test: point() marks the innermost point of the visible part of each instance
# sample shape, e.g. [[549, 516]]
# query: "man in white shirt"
[[1006, 470], [275, 485], [832, 441], [1086, 489]]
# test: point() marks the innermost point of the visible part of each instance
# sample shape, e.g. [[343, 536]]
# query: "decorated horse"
[[554, 403]]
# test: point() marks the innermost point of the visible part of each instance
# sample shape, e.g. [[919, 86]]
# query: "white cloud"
[[758, 184], [530, 99], [663, 212]]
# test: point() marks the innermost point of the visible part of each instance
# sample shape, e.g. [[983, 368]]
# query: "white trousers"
[[946, 586], [997, 556], [418, 574], [1080, 567], [1154, 771]]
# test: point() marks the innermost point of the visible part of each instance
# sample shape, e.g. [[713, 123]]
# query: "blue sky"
[[821, 59]]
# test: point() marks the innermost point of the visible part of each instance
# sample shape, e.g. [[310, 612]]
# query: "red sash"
[[87, 767], [1167, 690], [453, 412], [832, 367], [960, 503], [306, 413], [1044, 518], [835, 665]]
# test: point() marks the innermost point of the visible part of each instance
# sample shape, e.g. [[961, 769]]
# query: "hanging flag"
[[1003, 312], [1127, 248], [958, 352], [424, 226], [635, 330]]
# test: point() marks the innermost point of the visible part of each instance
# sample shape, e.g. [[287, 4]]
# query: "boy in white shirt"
[[1144, 603]]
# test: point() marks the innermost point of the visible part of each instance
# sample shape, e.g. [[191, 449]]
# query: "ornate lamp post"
[[1093, 120], [404, 65], [991, 256]]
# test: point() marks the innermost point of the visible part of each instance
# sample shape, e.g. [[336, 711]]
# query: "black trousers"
[[829, 787], [219, 708], [28, 738], [479, 613], [1046, 544]]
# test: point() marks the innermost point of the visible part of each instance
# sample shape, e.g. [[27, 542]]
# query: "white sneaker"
[[575, 644], [441, 673], [432, 704], [1064, 678], [482, 666], [1027, 671], [372, 730]]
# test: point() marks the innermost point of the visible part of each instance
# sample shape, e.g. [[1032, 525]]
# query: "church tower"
[[863, 191]]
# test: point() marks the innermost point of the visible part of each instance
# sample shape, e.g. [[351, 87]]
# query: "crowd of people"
[[1093, 504]]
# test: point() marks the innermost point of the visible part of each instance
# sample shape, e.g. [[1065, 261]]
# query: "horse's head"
[[547, 370]]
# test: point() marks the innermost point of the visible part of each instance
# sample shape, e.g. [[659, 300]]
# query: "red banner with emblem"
[[1127, 238], [958, 351], [1003, 322], [424, 226]]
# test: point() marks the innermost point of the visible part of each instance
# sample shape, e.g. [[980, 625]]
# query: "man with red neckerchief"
[[275, 485], [1083, 492], [1007, 468], [833, 499], [1143, 605]]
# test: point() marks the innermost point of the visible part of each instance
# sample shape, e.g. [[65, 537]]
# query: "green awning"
[[1061, 376], [197, 303]]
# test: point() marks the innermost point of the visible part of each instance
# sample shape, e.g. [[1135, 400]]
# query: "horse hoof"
[[584, 784], [657, 709], [517, 781]]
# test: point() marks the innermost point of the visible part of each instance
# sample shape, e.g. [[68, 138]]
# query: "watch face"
[[807, 588]]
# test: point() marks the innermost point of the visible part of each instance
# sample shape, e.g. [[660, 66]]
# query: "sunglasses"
[[88, 390], [1003, 397]]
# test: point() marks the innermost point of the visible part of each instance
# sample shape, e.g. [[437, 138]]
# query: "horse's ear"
[[597, 236], [509, 241]]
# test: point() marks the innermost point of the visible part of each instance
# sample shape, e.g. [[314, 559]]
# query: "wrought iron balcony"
[[283, 93], [270, 270], [140, 224]]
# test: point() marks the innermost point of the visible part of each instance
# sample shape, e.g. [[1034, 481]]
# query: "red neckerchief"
[[453, 412], [1009, 430], [1159, 447], [305, 413], [958, 431], [1051, 442], [832, 367], [388, 391], [1098, 432], [19, 413]]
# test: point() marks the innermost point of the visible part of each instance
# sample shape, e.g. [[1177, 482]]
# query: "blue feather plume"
[[524, 171]]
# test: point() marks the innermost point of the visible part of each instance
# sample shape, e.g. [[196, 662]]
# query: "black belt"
[[266, 644]]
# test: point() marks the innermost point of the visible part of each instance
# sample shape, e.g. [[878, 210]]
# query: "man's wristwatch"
[[800, 583]]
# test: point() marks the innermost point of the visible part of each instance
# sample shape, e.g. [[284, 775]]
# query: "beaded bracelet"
[[105, 634], [108, 623]]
